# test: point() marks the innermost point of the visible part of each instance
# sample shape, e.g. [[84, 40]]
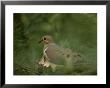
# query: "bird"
[[53, 54]]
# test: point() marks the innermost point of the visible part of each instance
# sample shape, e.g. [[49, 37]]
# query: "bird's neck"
[[46, 45]]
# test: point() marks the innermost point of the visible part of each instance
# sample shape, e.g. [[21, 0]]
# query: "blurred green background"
[[77, 31]]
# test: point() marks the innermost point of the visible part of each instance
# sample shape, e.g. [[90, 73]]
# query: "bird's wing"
[[53, 51], [57, 54]]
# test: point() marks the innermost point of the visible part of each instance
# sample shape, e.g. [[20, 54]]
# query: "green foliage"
[[76, 31]]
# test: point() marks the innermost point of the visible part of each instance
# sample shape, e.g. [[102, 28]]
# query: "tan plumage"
[[53, 54]]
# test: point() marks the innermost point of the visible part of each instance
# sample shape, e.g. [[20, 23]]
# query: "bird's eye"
[[44, 38]]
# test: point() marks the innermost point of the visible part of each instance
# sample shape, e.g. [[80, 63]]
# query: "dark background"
[[76, 31]]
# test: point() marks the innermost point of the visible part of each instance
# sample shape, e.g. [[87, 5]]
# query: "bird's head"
[[46, 39]]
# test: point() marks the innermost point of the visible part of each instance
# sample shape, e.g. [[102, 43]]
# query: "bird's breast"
[[45, 54]]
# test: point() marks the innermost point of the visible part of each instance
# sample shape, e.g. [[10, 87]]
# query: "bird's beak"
[[40, 41]]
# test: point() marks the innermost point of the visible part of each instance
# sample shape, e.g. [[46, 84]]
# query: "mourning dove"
[[54, 54]]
